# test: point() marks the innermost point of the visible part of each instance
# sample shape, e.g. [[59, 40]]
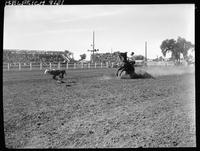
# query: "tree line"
[[177, 47]]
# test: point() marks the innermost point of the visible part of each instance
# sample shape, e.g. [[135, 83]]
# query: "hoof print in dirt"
[[91, 132], [38, 124]]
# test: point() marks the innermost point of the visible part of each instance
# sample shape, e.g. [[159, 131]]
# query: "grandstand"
[[19, 59], [106, 57], [36, 56], [26, 56]]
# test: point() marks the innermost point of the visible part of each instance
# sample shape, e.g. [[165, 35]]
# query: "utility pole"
[[93, 42], [93, 48], [145, 53]]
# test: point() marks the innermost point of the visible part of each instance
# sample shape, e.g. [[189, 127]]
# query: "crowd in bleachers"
[[106, 57], [15, 56], [27, 56]]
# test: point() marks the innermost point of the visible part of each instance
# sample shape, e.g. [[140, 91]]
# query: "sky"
[[122, 28]]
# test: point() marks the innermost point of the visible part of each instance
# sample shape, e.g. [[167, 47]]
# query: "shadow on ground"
[[138, 75]]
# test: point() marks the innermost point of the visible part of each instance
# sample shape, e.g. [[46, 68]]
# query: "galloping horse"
[[127, 66]]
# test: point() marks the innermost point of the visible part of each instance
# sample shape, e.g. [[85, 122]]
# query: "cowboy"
[[132, 58]]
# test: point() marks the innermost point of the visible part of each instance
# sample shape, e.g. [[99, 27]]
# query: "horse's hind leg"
[[61, 76]]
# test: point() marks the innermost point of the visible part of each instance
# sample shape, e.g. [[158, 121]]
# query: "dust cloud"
[[152, 71], [106, 77], [161, 71]]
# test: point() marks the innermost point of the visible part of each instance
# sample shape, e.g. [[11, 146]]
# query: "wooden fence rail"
[[42, 66], [73, 66]]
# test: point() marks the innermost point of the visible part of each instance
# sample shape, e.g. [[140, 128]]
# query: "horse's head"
[[45, 72]]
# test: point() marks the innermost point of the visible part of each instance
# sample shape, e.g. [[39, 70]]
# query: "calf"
[[55, 73]]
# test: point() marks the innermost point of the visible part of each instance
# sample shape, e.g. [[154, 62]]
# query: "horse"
[[127, 66], [56, 73]]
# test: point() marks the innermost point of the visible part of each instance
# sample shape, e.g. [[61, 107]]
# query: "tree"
[[83, 56], [184, 46], [67, 56], [181, 46], [68, 53]]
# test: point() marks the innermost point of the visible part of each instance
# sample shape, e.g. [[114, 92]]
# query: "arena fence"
[[42, 66], [160, 63], [69, 66]]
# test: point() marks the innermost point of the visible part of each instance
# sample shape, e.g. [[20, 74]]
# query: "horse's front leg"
[[62, 76], [122, 71], [119, 70], [54, 77]]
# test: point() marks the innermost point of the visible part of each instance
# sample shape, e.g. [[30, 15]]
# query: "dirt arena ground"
[[95, 109]]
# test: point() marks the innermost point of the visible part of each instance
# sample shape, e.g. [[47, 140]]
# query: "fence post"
[[50, 65], [30, 65], [112, 64], [81, 64], [8, 67], [19, 66], [67, 66], [74, 65], [88, 65], [40, 65], [59, 65], [107, 64], [95, 65]]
